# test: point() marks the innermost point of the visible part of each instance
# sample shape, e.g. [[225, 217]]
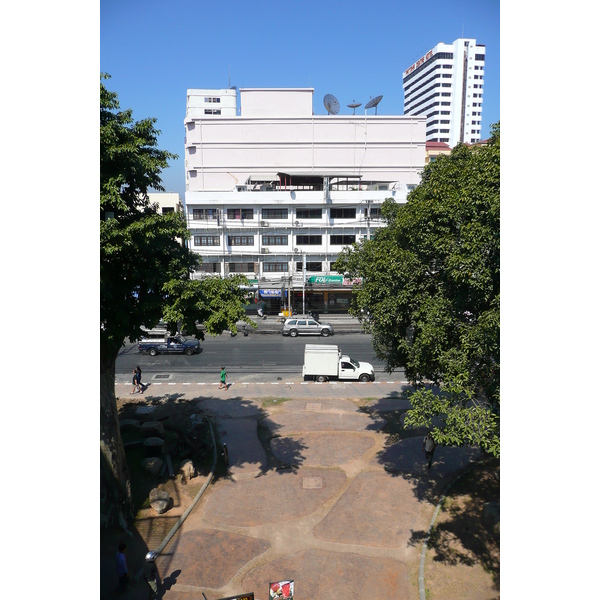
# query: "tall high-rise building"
[[446, 85]]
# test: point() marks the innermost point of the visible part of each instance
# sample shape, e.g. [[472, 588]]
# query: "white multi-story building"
[[446, 85], [276, 192]]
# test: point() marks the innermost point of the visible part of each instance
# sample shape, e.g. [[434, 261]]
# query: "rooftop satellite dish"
[[373, 103], [331, 104], [354, 106]]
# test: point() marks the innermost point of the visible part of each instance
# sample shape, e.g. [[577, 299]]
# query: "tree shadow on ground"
[[234, 408], [461, 534]]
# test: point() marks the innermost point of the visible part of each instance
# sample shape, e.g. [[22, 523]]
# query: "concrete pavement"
[[323, 488]]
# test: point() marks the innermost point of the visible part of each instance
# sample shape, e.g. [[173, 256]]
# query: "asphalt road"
[[257, 358]]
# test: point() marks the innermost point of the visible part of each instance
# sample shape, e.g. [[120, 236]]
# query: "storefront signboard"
[[271, 293], [326, 279], [334, 279]]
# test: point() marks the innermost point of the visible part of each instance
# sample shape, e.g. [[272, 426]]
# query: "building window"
[[209, 268], [241, 267], [167, 209], [274, 213], [342, 213], [240, 213], [275, 240], [199, 214], [375, 212], [275, 267], [309, 240], [309, 213], [212, 99], [342, 239], [240, 240], [212, 111], [207, 240], [311, 267]]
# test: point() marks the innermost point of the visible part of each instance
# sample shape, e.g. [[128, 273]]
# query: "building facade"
[[167, 201], [276, 193], [446, 85]]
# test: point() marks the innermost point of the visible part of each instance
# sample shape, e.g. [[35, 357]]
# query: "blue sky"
[[155, 51]]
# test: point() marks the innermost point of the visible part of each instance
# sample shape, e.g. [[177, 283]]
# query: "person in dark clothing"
[[140, 385], [134, 381], [151, 575], [122, 572]]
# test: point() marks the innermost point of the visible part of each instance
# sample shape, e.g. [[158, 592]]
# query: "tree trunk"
[[114, 474]]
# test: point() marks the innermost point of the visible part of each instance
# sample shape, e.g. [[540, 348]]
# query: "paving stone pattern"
[[343, 511]]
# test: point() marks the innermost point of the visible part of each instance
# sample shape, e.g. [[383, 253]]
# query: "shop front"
[[273, 301], [324, 294]]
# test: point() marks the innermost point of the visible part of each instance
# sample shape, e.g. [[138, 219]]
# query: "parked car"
[[302, 325], [169, 345]]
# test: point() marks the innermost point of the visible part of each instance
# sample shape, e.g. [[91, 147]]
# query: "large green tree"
[[431, 293], [145, 271]]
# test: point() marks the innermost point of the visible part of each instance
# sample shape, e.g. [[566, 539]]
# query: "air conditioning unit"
[[264, 224], [264, 250]]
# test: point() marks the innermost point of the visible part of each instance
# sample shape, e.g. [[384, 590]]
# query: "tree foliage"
[[431, 293], [145, 269]]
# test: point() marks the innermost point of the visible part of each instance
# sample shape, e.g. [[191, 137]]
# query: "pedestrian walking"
[[151, 575], [140, 385], [134, 380], [223, 383], [121, 563], [429, 447]]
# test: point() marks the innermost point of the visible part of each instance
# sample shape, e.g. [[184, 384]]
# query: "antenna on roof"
[[354, 106], [373, 103], [331, 104]]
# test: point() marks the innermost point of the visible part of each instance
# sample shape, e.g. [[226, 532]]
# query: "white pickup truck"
[[323, 362]]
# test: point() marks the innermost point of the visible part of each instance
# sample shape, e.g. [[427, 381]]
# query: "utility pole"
[[303, 283]]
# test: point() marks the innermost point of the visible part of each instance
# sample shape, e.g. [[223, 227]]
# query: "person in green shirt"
[[223, 383]]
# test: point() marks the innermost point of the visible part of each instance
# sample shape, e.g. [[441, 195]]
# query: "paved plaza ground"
[[324, 487]]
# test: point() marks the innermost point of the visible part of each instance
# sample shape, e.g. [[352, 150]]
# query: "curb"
[[422, 595]]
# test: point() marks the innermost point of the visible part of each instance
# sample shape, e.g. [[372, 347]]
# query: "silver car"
[[300, 325]]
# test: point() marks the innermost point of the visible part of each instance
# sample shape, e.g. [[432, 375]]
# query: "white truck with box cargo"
[[323, 362]]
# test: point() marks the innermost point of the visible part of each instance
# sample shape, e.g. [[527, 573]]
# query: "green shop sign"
[[334, 279], [326, 279]]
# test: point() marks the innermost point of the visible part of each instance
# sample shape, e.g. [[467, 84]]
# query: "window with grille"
[[199, 214], [311, 267], [274, 213], [206, 240], [309, 213], [241, 267], [309, 240], [342, 213], [275, 267], [240, 240], [275, 240], [342, 239], [240, 213], [209, 268]]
